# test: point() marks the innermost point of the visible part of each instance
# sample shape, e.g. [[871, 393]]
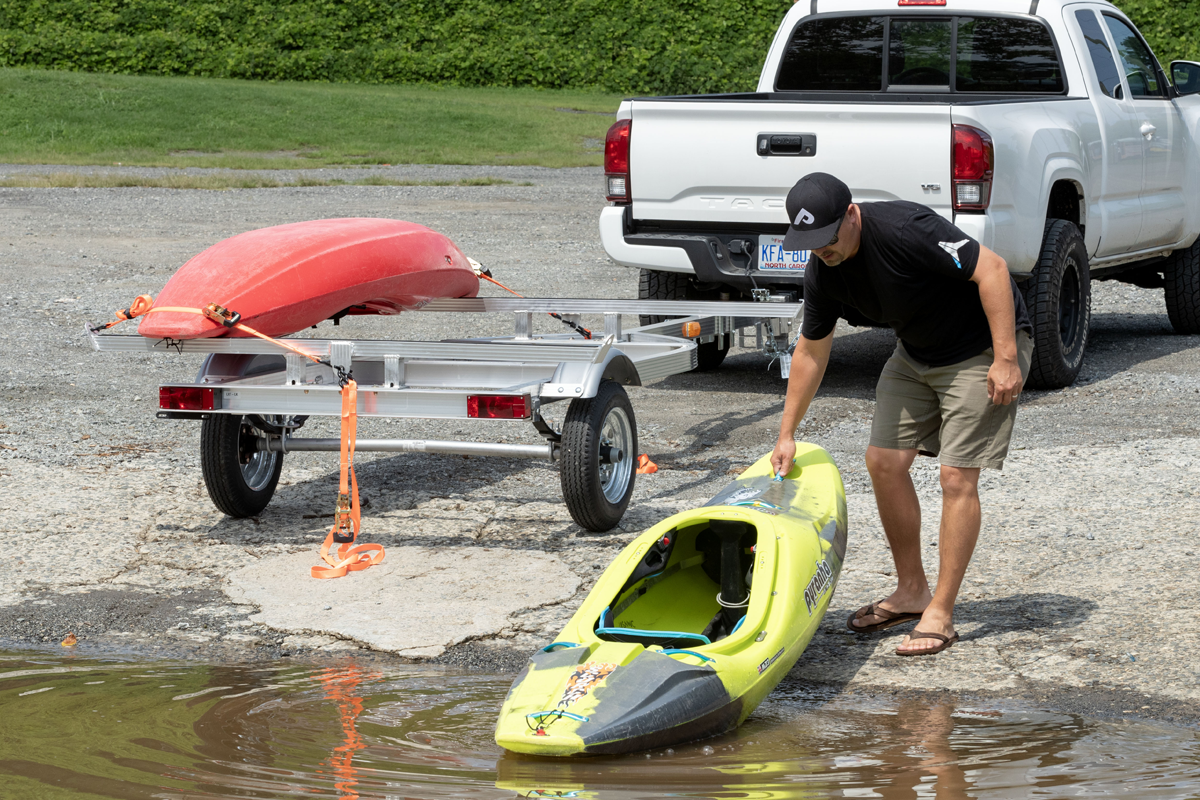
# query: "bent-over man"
[[949, 390]]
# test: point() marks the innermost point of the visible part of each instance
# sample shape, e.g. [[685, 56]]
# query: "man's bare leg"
[[956, 543], [900, 513]]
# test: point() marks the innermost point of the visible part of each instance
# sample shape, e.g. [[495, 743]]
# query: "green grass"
[[49, 117], [217, 180]]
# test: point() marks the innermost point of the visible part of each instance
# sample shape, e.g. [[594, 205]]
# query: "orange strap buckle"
[[222, 315]]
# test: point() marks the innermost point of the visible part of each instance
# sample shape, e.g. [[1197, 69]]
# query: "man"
[[949, 389]]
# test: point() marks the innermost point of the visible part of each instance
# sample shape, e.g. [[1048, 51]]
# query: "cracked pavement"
[[1089, 535]]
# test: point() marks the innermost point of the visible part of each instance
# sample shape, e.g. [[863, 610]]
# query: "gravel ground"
[[1088, 542]]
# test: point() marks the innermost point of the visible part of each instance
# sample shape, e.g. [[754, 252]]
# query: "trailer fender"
[[572, 380]]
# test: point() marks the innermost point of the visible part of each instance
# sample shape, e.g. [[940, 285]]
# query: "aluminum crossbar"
[[546, 451], [558, 351], [682, 308]]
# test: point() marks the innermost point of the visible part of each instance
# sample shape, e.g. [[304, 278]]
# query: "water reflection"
[[120, 730]]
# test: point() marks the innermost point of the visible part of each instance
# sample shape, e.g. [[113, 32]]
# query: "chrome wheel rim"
[[617, 433], [257, 465]]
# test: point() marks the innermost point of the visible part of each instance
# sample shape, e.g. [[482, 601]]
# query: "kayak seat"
[[607, 629]]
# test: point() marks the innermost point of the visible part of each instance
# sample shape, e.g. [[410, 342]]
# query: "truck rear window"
[[848, 54]]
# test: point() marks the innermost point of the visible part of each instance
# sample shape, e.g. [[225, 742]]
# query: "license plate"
[[772, 256]]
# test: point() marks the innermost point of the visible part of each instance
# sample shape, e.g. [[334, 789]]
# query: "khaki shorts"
[[945, 411]]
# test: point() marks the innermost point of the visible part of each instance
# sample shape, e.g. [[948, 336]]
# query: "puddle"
[[72, 728]]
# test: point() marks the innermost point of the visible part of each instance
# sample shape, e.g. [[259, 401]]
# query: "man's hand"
[[808, 367], [1004, 381], [784, 455]]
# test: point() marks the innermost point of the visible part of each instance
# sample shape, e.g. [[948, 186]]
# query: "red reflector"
[[185, 398], [922, 2], [498, 406]]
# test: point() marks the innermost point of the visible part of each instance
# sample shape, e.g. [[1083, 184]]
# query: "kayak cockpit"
[[691, 588]]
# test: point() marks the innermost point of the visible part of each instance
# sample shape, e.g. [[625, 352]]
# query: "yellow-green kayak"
[[694, 622]]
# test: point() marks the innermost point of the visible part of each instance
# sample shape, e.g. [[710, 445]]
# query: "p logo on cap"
[[815, 206]]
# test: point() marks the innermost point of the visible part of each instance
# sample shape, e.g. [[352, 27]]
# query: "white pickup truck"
[[1046, 130]]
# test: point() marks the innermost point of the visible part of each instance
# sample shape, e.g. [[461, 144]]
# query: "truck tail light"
[[498, 406], [616, 161], [971, 162], [185, 398]]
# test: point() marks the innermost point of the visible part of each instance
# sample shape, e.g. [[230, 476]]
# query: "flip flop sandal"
[[890, 618], [946, 642]]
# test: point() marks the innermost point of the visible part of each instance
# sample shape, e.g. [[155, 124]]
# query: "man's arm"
[[995, 293], [808, 368]]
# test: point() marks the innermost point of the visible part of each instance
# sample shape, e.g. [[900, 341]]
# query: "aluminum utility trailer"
[[252, 398]]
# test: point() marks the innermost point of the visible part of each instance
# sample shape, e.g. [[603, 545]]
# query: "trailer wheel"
[[656, 284], [240, 478], [1183, 289], [1059, 299], [596, 489]]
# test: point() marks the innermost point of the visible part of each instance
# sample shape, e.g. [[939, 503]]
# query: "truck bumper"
[[612, 236]]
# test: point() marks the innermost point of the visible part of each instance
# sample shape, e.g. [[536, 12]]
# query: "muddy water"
[[73, 728]]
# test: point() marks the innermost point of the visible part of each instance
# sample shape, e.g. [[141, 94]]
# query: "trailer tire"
[[655, 284], [1182, 286], [597, 493], [240, 478], [1059, 300]]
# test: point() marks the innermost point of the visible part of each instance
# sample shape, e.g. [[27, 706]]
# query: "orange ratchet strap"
[[141, 306], [347, 520]]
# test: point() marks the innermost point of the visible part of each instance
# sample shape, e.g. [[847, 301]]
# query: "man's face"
[[842, 247]]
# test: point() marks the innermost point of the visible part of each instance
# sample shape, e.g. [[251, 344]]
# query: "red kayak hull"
[[289, 277]]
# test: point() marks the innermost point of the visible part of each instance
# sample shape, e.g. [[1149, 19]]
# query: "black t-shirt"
[[912, 272]]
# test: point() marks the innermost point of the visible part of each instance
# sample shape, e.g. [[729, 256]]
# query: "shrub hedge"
[[627, 46]]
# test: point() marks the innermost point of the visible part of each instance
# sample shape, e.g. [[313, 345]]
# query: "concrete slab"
[[417, 603]]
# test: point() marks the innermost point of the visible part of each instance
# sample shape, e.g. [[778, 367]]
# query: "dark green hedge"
[[629, 46]]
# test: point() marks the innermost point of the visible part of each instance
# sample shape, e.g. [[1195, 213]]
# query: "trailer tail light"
[[971, 161], [498, 406], [616, 161], [185, 398]]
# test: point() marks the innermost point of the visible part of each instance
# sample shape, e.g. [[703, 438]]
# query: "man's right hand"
[[783, 457]]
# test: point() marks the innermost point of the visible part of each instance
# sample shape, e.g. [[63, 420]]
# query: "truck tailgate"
[[698, 161]]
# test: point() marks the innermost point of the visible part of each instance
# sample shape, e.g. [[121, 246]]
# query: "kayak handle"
[[550, 647], [688, 653]]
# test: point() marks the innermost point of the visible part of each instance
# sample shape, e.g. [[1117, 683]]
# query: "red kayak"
[[290, 277]]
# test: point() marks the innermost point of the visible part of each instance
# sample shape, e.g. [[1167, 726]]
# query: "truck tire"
[[1059, 299], [240, 478], [597, 492], [657, 285], [1182, 293]]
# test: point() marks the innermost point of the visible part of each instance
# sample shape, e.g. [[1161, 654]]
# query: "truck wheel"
[[1183, 289], [657, 285], [597, 489], [1059, 299], [239, 477]]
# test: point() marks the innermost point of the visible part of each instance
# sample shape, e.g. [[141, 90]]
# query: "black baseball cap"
[[815, 206]]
